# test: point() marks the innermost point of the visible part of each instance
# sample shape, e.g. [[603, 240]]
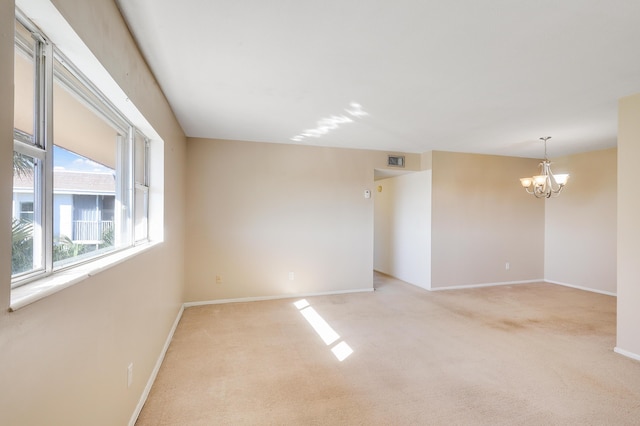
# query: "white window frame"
[[40, 147], [142, 185]]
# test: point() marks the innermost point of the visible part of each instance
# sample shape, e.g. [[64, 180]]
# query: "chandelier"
[[546, 184]]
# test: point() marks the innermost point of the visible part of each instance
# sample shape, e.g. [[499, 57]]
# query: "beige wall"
[[629, 226], [482, 218], [259, 211], [402, 230], [580, 225], [64, 359]]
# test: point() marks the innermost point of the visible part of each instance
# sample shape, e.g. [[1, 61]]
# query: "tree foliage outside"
[[22, 245], [65, 248], [21, 229], [22, 165]]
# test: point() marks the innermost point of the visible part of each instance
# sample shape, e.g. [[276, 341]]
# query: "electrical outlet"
[[129, 375], [507, 266], [218, 279], [291, 276]]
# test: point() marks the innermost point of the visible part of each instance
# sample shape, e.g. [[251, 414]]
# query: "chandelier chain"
[[545, 139]]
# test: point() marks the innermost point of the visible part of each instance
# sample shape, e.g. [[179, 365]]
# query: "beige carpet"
[[535, 354]]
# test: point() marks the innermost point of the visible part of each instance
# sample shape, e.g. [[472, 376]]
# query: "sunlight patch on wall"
[[328, 335]]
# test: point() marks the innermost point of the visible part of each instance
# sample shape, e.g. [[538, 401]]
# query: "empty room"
[[385, 213]]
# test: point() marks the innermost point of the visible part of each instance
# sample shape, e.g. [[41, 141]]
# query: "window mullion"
[[130, 184], [147, 144], [124, 187], [45, 139]]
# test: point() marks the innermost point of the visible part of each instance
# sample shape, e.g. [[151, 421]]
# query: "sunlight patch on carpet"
[[328, 335], [324, 330], [342, 350]]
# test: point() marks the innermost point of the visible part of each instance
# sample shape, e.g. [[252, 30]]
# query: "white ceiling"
[[404, 75]]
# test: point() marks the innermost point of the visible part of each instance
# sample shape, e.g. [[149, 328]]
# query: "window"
[[81, 172], [26, 211]]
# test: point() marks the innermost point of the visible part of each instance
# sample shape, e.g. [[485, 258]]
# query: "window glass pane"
[[24, 254], [141, 213], [24, 72], [140, 155], [84, 175], [83, 208], [78, 127]]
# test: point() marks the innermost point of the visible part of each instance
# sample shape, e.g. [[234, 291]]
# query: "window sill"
[[41, 288]]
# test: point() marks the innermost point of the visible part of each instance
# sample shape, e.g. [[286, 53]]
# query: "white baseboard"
[[422, 286], [626, 353], [283, 296], [156, 369], [461, 287], [593, 290]]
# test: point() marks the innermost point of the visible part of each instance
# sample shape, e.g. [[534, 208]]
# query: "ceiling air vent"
[[395, 161]]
